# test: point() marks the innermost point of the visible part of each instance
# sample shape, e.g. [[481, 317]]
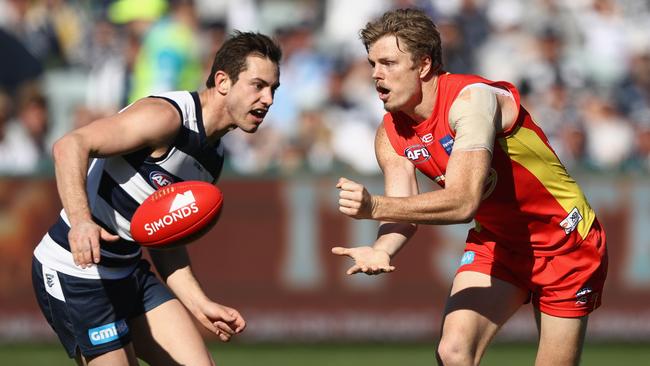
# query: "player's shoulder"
[[453, 84], [384, 137], [153, 107], [457, 84], [160, 115], [464, 78], [178, 95], [171, 103]]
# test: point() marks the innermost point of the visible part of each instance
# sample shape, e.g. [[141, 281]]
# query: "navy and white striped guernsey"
[[117, 185]]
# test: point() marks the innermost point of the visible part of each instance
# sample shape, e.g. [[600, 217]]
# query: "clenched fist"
[[354, 199]]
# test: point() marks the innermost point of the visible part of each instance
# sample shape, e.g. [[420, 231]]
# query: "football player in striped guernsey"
[[535, 237], [98, 294]]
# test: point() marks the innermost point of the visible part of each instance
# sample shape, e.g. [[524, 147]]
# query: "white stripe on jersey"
[[185, 166], [60, 260], [64, 216], [185, 102], [128, 178]]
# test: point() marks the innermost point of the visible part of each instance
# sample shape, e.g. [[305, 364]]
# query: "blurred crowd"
[[582, 66]]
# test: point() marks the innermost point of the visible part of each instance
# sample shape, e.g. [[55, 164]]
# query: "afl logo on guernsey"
[[417, 154], [160, 179]]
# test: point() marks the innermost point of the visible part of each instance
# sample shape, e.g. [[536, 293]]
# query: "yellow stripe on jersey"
[[526, 148]]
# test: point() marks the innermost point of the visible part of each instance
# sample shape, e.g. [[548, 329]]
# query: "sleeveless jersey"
[[530, 203], [117, 185]]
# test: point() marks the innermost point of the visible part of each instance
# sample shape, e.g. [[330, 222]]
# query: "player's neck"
[[424, 108], [214, 115]]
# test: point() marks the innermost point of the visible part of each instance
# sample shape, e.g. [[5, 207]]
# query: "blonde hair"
[[413, 28]]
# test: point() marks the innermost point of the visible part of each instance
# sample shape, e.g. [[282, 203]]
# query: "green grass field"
[[346, 355]]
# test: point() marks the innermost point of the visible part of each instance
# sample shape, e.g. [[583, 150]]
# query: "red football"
[[174, 212]]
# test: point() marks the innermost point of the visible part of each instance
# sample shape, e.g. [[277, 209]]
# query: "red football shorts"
[[568, 285]]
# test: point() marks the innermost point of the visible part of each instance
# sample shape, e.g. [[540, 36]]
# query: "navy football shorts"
[[92, 315]]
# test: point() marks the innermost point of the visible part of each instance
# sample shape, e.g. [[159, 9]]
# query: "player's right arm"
[[173, 265], [149, 122], [399, 181]]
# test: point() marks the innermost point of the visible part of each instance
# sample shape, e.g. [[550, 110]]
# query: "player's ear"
[[425, 66], [222, 82]]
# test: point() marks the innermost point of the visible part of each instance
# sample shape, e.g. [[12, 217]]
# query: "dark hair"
[[231, 57], [31, 93], [411, 26]]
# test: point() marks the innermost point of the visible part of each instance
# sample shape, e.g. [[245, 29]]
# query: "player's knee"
[[455, 353]]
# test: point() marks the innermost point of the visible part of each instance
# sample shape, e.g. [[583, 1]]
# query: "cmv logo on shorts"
[[468, 258], [107, 333], [160, 179]]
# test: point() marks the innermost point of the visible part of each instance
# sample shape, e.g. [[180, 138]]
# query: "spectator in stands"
[[22, 145], [633, 93], [609, 135], [605, 50], [17, 64], [169, 58]]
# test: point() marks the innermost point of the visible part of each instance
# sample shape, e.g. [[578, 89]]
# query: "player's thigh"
[[120, 357], [88, 315], [560, 339], [166, 335], [478, 305]]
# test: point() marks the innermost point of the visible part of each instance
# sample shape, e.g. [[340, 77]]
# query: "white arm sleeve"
[[473, 117]]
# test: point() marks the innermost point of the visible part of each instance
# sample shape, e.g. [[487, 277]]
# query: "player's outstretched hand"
[[221, 320], [354, 199], [84, 240], [368, 260]]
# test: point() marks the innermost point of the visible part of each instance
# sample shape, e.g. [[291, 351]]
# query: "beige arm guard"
[[473, 116]]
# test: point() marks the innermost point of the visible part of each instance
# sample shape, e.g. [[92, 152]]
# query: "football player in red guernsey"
[[535, 237], [98, 294]]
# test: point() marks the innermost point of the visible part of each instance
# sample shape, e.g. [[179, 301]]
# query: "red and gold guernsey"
[[530, 201]]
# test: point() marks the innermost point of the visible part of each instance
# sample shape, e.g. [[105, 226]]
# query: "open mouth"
[[259, 113], [383, 92]]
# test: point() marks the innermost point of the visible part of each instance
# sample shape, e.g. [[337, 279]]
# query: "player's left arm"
[[473, 115], [173, 265]]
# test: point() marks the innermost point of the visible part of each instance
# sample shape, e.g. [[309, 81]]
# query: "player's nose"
[[267, 97], [376, 73]]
